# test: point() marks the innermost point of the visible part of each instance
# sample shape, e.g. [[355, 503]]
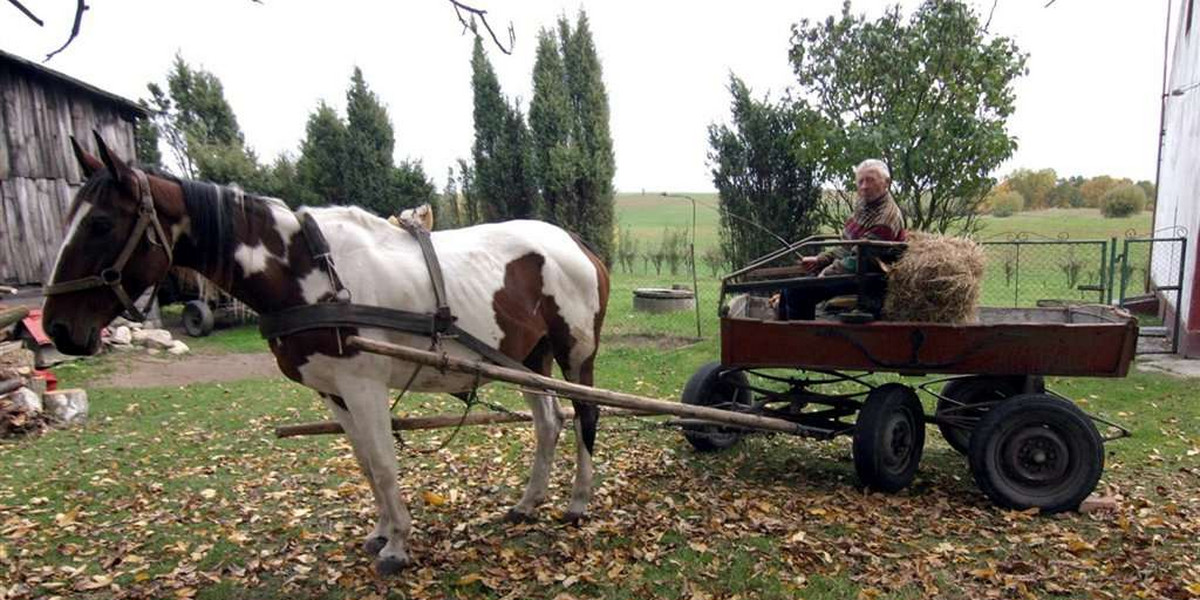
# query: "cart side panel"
[[1093, 349]]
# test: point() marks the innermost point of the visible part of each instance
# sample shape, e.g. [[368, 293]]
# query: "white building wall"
[[1178, 207]]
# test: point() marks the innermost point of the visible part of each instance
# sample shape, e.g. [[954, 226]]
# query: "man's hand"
[[810, 263]]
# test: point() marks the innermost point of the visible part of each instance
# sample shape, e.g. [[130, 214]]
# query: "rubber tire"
[[972, 390], [197, 318], [890, 409], [706, 387], [1037, 413]]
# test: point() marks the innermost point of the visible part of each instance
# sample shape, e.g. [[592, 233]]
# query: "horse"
[[527, 288]]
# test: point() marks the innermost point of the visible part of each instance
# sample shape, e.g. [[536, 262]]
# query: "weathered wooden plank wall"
[[38, 170]]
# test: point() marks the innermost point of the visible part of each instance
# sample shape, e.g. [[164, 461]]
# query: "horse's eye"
[[100, 226]]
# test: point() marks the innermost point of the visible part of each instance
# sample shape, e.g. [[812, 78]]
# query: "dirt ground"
[[139, 370]]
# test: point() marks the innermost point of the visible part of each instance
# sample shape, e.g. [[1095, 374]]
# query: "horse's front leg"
[[370, 434], [377, 539]]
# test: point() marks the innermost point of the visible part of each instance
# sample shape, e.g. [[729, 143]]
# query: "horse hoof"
[[374, 545], [516, 516], [572, 518], [391, 565]]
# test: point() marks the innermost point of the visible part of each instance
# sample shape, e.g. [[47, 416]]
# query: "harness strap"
[[432, 265]]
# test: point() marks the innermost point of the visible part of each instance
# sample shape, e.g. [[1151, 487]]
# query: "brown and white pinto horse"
[[525, 287]]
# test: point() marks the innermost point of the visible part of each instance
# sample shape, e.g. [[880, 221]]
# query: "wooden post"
[[437, 422], [573, 390]]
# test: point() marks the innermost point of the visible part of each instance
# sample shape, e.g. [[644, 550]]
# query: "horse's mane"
[[212, 209]]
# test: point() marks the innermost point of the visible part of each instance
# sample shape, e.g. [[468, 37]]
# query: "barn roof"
[[39, 71]]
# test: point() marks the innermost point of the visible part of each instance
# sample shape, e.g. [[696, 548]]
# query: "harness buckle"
[[110, 276]]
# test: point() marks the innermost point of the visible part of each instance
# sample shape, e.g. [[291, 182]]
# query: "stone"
[[153, 338], [178, 348], [121, 335], [1096, 504], [67, 407], [26, 400]]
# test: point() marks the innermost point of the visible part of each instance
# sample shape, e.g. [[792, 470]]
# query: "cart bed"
[[1093, 341]]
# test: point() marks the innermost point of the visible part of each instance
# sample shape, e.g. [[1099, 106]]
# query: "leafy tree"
[[555, 156], [592, 213], [759, 180], [1006, 204], [410, 188], [1065, 194], [447, 214], [1094, 189], [368, 171], [1123, 201], [145, 138], [323, 156], [471, 210], [930, 96], [1034, 186], [1149, 189], [490, 112], [282, 180], [200, 128]]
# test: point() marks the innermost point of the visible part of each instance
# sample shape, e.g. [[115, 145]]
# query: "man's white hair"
[[873, 164]]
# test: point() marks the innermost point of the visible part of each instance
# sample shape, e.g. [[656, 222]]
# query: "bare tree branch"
[[32, 17], [459, 7], [79, 8], [1049, 3], [992, 12]]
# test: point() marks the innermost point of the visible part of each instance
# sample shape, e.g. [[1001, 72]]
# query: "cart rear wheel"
[[197, 318], [1037, 450], [889, 437], [714, 386], [957, 416]]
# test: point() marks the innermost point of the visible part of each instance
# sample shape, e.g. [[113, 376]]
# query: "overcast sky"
[[1089, 105]]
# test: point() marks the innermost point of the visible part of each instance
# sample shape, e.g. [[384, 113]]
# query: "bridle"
[[111, 277]]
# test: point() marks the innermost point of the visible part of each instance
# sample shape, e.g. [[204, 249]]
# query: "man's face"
[[871, 184]]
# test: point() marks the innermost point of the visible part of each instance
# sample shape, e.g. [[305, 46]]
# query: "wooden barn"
[[40, 109]]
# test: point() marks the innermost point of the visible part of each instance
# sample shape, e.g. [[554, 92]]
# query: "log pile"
[[27, 407]]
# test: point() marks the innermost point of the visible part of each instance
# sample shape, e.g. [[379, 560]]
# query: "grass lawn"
[[184, 492]]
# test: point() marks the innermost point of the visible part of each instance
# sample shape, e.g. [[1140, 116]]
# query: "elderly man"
[[876, 217]]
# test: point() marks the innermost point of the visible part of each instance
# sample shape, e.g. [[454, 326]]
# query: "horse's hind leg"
[[547, 423], [586, 417]]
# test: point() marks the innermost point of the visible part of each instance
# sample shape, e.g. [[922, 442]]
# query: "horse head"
[[118, 244]]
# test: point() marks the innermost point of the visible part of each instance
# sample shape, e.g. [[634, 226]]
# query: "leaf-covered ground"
[[185, 493]]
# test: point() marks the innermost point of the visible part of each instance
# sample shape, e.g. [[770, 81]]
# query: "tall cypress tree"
[[489, 114], [517, 188], [592, 216], [550, 126], [323, 156], [368, 169]]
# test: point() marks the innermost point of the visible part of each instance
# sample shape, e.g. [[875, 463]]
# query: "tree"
[[592, 213], [1149, 189], [554, 155], [1033, 186], [471, 210], [323, 156], [1124, 200], [282, 180], [448, 214], [760, 182], [1094, 189], [368, 169], [1065, 194], [145, 138], [929, 96], [490, 112], [516, 190], [410, 187]]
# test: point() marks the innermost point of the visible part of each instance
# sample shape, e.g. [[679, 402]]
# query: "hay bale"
[[938, 280]]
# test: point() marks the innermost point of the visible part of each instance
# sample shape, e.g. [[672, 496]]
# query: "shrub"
[[1123, 201], [1007, 204]]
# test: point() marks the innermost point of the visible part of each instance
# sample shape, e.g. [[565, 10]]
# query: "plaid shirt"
[[880, 220]]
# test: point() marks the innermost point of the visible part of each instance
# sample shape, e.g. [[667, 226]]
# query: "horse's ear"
[[114, 164], [88, 163]]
